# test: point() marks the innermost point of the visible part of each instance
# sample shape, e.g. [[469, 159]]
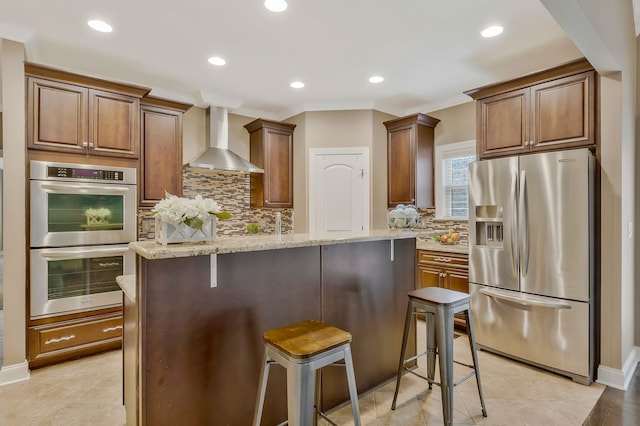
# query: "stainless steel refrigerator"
[[531, 270]]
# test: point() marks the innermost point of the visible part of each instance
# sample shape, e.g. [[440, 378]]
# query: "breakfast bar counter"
[[193, 333]]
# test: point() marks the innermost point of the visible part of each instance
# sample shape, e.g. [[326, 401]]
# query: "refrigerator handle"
[[524, 225], [514, 225], [524, 302]]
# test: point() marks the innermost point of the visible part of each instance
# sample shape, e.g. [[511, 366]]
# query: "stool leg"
[[431, 347], [300, 394], [444, 337], [353, 391], [474, 355], [262, 388], [405, 336]]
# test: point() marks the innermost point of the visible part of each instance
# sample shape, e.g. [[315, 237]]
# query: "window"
[[452, 179]]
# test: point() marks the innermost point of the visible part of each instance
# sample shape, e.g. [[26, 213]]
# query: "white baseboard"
[[14, 373], [620, 379]]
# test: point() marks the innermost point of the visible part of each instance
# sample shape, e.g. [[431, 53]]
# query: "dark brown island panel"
[[192, 352]]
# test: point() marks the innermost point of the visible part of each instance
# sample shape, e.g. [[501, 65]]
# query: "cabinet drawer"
[[58, 336], [443, 259]]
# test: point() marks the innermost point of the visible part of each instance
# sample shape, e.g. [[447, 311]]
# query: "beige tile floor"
[[88, 392]]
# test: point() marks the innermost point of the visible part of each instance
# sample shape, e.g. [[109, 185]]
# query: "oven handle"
[[83, 188], [59, 254]]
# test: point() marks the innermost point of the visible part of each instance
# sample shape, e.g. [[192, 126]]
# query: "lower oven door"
[[71, 279]]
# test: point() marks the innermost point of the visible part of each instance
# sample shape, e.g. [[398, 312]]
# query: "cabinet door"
[[401, 173], [113, 123], [503, 127], [56, 118], [563, 112], [278, 170], [161, 166], [457, 279], [428, 276]]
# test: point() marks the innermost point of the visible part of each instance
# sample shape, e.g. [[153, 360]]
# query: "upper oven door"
[[79, 213]]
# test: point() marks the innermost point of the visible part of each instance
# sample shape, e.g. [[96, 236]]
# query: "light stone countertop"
[[128, 285], [151, 250], [430, 244]]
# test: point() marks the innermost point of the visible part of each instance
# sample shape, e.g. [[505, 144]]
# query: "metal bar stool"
[[304, 348], [439, 306]]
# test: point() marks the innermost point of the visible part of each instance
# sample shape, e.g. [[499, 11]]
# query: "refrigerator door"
[[493, 239], [555, 198], [548, 332]]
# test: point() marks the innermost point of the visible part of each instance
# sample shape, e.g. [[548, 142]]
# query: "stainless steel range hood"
[[218, 156]]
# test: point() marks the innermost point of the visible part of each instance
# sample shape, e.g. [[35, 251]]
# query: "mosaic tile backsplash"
[[231, 191], [429, 222]]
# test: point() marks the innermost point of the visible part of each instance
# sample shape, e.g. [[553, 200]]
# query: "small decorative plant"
[[253, 228], [191, 212]]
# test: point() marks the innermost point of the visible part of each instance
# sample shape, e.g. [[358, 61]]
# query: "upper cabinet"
[[161, 149], [271, 150], [547, 110], [72, 113], [410, 160]]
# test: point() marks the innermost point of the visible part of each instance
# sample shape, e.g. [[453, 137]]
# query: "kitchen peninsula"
[[193, 329]]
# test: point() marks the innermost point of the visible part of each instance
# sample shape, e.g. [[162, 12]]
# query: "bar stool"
[[304, 348], [439, 306]]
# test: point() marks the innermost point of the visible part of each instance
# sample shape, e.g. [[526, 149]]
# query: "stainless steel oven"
[[82, 217], [69, 279], [75, 204]]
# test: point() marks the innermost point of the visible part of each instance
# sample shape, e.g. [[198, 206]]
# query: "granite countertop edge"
[[429, 244], [128, 285], [152, 251]]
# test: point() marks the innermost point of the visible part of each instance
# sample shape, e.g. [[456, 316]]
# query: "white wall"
[[14, 273]]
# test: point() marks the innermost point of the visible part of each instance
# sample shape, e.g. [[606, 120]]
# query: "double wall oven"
[[82, 219]]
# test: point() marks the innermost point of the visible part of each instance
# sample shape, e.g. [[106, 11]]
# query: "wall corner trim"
[[620, 379], [14, 373]]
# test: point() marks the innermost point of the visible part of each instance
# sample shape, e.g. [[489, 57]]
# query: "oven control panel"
[[75, 173]]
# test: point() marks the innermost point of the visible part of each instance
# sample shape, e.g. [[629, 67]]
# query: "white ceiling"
[[429, 51]]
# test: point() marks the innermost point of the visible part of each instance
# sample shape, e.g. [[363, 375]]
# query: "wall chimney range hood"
[[218, 156]]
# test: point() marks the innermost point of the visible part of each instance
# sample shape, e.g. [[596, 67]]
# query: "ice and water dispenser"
[[489, 226]]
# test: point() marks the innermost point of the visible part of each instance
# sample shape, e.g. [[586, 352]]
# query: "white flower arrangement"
[[191, 212], [97, 216]]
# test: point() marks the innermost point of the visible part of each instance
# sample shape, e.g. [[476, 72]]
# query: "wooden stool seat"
[[303, 349], [306, 339]]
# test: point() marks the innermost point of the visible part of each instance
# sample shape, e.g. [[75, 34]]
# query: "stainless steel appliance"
[[77, 278], [531, 259], [82, 216], [75, 204]]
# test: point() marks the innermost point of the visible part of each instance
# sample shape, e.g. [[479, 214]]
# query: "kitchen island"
[[193, 330]]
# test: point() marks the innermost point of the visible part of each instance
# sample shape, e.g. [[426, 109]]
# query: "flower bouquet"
[[180, 220]]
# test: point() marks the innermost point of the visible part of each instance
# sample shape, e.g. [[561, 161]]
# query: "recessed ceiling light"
[[491, 31], [275, 5], [101, 26], [297, 85], [376, 79], [215, 60]]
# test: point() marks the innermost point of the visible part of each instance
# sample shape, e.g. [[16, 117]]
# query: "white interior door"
[[339, 190]]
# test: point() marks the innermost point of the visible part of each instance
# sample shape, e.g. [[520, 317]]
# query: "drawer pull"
[[60, 339], [442, 259], [108, 329]]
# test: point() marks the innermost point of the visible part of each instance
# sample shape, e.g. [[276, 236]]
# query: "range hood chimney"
[[218, 156]]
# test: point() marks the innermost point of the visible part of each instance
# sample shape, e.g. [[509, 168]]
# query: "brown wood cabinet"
[[551, 109], [71, 113], [59, 339], [161, 146], [272, 150], [410, 176], [445, 270]]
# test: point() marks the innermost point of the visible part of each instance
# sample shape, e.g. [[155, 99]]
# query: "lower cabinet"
[[445, 270], [64, 339]]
